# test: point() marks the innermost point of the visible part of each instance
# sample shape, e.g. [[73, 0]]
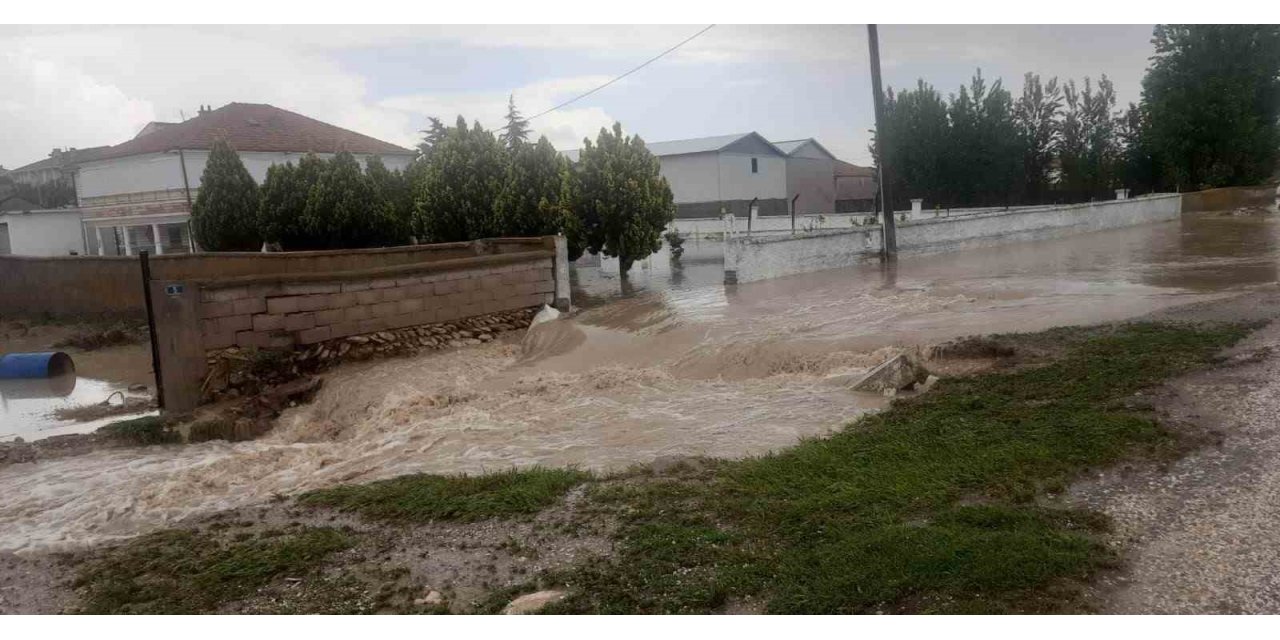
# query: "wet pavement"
[[668, 362]]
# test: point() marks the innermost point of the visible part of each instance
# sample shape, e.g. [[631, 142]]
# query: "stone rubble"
[[235, 371], [533, 602]]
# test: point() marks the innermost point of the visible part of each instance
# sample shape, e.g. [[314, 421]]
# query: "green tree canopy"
[[1036, 117], [531, 202], [1090, 149], [624, 203], [454, 198], [338, 213], [1211, 102], [916, 120], [392, 207], [431, 136], [283, 201], [224, 215]]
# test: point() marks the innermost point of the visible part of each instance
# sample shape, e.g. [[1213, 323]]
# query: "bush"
[[676, 242]]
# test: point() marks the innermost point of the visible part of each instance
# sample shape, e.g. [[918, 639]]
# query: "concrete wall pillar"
[[1122, 194], [563, 298], [176, 306], [917, 206]]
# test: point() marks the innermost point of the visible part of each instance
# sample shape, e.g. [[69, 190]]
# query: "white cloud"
[[84, 87], [49, 104]]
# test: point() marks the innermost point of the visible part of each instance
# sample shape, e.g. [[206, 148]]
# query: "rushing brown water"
[[672, 363]]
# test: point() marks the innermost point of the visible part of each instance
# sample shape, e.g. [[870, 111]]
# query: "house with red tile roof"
[[137, 195]]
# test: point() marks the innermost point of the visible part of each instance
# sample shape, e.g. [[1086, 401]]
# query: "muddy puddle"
[[29, 409], [669, 362]]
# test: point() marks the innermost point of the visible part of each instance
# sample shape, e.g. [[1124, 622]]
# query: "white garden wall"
[[771, 255]]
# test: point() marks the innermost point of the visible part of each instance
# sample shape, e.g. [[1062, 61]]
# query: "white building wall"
[[713, 176], [693, 177], [133, 174], [763, 256], [737, 182], [44, 233]]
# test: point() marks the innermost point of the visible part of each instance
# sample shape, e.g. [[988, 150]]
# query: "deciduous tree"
[[1211, 101], [624, 202]]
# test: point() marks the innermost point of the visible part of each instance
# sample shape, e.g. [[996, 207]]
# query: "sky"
[[89, 86]]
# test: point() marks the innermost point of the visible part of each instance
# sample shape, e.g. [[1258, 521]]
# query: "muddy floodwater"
[[669, 362], [28, 408]]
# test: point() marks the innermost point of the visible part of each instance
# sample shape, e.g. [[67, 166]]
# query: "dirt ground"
[[390, 568]]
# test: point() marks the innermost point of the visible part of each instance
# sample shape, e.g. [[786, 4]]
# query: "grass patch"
[[424, 498], [146, 430], [929, 506], [184, 572]]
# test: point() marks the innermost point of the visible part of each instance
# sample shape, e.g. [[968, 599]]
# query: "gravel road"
[[1203, 535]]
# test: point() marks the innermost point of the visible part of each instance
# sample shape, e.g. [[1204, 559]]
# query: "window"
[[175, 238], [755, 166], [141, 238]]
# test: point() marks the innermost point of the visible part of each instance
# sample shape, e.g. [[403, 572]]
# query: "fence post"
[[144, 260]]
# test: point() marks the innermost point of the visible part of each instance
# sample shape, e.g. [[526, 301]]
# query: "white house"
[[743, 172], [137, 195], [722, 174]]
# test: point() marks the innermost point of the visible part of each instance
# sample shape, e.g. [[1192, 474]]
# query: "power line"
[[645, 64]]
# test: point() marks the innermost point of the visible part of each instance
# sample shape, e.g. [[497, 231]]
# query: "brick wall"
[[280, 313], [288, 310], [112, 285]]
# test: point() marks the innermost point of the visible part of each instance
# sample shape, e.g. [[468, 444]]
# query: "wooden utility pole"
[[889, 227]]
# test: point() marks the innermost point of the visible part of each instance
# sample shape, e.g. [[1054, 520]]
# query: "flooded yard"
[[29, 408], [668, 362]]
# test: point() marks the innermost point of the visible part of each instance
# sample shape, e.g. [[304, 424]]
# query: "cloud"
[[92, 86], [48, 104], [83, 86]]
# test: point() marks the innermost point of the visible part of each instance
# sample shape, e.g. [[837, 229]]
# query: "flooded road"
[[672, 363]]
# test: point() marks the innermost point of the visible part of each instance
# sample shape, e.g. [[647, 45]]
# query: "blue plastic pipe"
[[46, 364]]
